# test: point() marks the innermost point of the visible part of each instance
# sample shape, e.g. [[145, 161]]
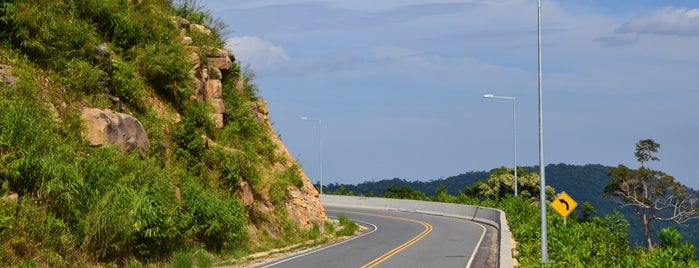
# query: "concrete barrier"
[[490, 216]]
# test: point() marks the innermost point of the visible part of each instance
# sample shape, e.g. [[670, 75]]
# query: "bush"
[[165, 69], [30, 232]]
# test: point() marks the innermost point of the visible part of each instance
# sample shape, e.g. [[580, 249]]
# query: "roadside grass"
[[332, 231]]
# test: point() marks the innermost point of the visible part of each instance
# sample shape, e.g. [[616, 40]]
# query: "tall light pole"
[[542, 184], [320, 149], [514, 129]]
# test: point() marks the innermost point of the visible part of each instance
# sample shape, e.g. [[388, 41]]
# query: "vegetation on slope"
[[80, 204]]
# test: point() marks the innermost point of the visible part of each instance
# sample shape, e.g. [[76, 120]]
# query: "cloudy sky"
[[398, 84]]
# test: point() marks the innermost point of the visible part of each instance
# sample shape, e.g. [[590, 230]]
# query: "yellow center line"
[[391, 253]]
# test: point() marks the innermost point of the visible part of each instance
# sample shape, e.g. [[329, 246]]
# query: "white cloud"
[[260, 54], [665, 21]]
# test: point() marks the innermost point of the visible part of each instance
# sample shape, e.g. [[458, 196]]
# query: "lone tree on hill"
[[651, 194]]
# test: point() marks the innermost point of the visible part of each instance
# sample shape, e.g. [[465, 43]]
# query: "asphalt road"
[[401, 239]]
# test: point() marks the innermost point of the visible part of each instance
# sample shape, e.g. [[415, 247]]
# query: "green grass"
[[176, 205], [348, 226]]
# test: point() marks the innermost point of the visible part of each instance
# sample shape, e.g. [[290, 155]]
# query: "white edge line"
[[327, 247], [470, 260]]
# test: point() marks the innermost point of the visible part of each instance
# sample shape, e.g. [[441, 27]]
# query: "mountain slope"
[[128, 134]]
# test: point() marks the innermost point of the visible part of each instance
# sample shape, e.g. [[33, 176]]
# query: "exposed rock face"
[[208, 74], [301, 203], [105, 127]]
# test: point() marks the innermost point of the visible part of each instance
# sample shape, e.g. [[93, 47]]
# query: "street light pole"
[[542, 184], [514, 129], [320, 149]]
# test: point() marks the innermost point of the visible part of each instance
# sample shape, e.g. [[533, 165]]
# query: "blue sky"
[[398, 84]]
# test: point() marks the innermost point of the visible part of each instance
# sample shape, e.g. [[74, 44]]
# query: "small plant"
[[348, 226]]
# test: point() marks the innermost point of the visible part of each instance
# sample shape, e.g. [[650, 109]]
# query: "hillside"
[[583, 183], [127, 134]]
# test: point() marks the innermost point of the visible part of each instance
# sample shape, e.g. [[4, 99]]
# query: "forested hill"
[[453, 184], [584, 183]]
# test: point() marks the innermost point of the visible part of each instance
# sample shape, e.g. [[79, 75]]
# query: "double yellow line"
[[391, 253]]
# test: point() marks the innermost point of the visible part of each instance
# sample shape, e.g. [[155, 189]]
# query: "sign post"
[[564, 204]]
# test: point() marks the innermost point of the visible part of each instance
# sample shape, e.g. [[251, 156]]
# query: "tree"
[[651, 194], [500, 183], [441, 195], [403, 192]]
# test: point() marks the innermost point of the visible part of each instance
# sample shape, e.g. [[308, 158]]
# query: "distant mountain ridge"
[[584, 183]]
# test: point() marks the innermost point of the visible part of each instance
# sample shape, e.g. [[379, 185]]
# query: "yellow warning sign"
[[564, 204]]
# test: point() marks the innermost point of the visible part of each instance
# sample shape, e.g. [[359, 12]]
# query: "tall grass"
[[80, 204]]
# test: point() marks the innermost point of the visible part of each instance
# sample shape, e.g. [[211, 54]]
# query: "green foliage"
[[196, 12], [599, 242], [48, 29], [29, 232], [196, 259], [441, 195], [8, 22], [165, 69], [501, 183], [652, 195], [188, 134], [284, 179], [81, 77], [403, 192], [588, 212], [216, 220], [80, 205], [348, 226], [127, 84]]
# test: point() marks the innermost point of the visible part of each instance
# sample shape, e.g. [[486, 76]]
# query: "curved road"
[[401, 239]]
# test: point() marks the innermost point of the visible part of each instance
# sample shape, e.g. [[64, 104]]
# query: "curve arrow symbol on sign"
[[565, 203]]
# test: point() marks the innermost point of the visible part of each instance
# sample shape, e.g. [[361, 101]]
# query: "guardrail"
[[490, 216]]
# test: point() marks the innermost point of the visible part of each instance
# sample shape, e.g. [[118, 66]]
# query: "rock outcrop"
[[207, 73], [6, 76], [210, 66], [302, 204], [105, 127]]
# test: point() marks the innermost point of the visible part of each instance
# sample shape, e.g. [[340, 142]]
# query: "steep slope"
[[127, 133]]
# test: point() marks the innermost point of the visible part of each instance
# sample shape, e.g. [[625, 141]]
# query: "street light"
[[542, 174], [514, 129], [320, 149]]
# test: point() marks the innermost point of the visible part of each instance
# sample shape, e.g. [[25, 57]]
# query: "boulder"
[[105, 127], [6, 76], [245, 192]]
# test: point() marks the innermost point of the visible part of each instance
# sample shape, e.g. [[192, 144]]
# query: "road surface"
[[402, 239]]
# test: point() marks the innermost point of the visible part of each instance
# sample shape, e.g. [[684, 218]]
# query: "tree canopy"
[[651, 194]]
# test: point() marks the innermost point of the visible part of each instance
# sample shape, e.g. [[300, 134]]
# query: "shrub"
[[128, 85], [217, 221], [165, 69], [30, 232]]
